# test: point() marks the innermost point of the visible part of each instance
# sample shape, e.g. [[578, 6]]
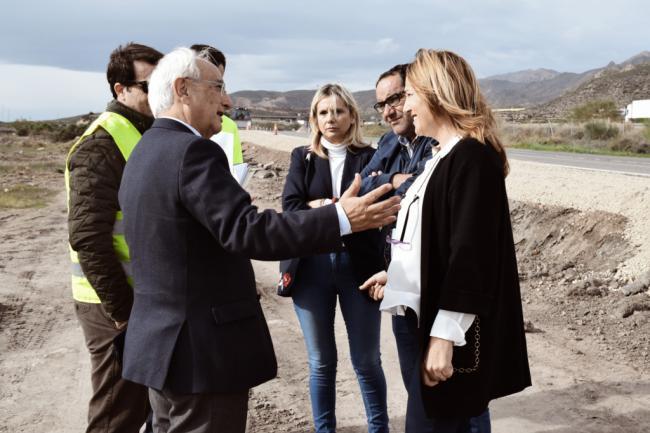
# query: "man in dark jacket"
[[101, 285], [400, 154], [197, 335]]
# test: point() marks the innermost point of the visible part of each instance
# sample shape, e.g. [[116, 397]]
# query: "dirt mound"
[[568, 265], [566, 242]]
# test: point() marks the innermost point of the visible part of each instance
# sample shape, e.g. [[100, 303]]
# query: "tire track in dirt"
[[39, 339]]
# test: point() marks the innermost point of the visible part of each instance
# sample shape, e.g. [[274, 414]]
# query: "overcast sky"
[[53, 54]]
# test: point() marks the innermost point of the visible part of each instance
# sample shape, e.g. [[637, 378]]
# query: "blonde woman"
[[317, 176], [453, 271]]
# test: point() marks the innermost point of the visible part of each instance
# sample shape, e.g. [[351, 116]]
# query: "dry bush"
[[595, 136], [600, 131], [374, 130], [596, 110], [51, 130]]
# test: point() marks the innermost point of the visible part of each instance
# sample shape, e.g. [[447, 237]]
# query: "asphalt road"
[[617, 164]]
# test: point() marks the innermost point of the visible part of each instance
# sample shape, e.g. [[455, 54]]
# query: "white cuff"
[[452, 326], [344, 222]]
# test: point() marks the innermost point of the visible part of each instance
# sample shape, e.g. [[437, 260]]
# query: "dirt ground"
[[588, 343]]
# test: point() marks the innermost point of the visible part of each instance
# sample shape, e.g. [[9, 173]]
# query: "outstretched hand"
[[375, 285], [362, 212]]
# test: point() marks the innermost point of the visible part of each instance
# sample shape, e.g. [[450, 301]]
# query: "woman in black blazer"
[[318, 174], [453, 270]]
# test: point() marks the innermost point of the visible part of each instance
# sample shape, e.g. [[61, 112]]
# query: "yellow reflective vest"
[[126, 136], [228, 138]]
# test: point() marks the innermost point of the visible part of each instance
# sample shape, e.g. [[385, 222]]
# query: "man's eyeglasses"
[[219, 85], [392, 101], [143, 85]]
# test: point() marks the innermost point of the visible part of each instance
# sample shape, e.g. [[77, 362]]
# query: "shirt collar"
[[188, 126], [403, 140]]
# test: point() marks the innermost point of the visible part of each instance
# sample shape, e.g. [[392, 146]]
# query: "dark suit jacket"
[[310, 178], [469, 265], [196, 325]]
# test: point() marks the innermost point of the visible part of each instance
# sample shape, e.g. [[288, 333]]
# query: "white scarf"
[[336, 154]]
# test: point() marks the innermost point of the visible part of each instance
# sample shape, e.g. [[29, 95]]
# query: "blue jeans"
[[319, 280], [405, 331]]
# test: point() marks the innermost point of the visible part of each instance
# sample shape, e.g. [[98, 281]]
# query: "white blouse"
[[403, 288]]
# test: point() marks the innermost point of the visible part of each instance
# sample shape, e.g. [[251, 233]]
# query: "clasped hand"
[[437, 366], [375, 285]]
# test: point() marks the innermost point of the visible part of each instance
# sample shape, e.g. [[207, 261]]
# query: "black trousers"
[[116, 405], [198, 413]]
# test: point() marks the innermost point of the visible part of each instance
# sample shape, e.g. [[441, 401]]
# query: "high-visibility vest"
[[228, 138], [126, 136]]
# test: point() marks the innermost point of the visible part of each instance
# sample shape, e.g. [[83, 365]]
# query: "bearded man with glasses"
[[400, 155], [399, 152]]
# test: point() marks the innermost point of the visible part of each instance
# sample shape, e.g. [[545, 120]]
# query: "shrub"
[[623, 144], [600, 131], [374, 130], [69, 132], [596, 110], [646, 130], [22, 128]]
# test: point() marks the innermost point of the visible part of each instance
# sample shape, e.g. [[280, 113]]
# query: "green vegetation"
[[282, 126], [596, 110], [595, 137], [600, 131], [374, 130], [646, 130], [577, 149], [52, 130], [23, 196]]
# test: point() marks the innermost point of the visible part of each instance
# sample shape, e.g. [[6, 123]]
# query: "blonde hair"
[[353, 136], [448, 85]]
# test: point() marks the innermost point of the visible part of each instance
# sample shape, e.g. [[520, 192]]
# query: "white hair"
[[182, 62]]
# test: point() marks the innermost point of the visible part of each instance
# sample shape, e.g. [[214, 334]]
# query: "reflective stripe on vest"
[[126, 136]]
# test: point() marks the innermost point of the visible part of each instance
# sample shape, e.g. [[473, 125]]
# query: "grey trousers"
[[117, 405], [198, 413]]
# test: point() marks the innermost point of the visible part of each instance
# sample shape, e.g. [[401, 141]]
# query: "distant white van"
[[637, 110]]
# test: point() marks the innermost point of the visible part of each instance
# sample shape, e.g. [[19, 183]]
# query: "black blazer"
[[196, 325], [469, 265], [310, 178]]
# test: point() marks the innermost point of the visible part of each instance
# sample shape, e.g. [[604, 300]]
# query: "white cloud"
[[386, 46], [283, 45], [45, 92]]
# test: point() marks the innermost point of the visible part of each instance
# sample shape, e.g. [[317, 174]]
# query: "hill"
[[544, 92], [619, 83], [293, 101]]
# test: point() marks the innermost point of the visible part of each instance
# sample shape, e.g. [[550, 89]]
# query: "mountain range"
[[544, 93]]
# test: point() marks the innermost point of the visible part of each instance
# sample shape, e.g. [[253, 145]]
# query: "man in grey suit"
[[197, 336]]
